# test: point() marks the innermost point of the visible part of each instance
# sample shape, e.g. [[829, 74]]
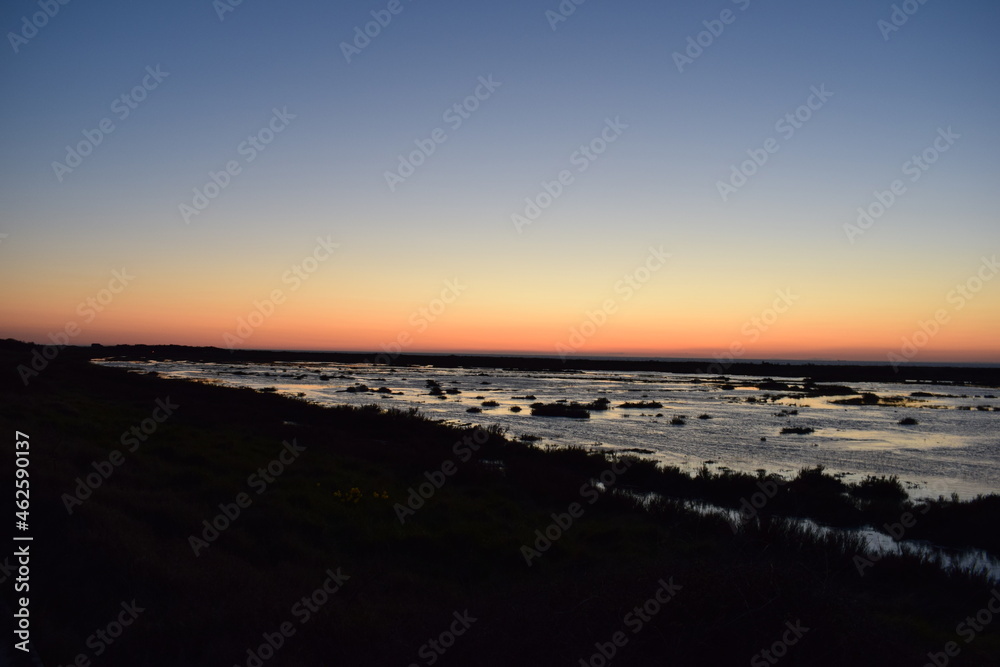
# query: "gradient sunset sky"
[[437, 259]]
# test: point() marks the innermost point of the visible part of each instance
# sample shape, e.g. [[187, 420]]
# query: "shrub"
[[882, 489]]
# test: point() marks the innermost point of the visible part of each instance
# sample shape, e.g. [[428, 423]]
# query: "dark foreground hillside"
[[309, 563]]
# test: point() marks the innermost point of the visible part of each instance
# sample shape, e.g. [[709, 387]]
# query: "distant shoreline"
[[818, 371]]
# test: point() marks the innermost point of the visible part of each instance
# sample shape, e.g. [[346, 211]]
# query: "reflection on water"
[[954, 447], [878, 544]]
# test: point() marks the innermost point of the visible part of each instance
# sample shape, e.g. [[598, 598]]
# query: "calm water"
[[954, 448]]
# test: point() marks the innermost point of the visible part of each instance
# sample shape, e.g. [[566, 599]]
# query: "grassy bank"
[[337, 502]]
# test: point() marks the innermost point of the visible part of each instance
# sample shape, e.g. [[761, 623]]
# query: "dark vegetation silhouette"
[[461, 550]]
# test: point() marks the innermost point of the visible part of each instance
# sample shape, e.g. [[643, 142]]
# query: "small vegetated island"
[[868, 398], [638, 405], [573, 409]]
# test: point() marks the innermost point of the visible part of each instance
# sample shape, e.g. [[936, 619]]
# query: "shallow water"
[[879, 544], [955, 447]]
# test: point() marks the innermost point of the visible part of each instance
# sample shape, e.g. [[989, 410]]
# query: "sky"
[[748, 179]]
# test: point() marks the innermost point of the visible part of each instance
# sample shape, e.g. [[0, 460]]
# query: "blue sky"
[[657, 184]]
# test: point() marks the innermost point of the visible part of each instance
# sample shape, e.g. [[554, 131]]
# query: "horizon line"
[[598, 356]]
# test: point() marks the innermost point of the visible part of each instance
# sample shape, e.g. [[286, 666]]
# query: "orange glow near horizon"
[[696, 305], [346, 326]]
